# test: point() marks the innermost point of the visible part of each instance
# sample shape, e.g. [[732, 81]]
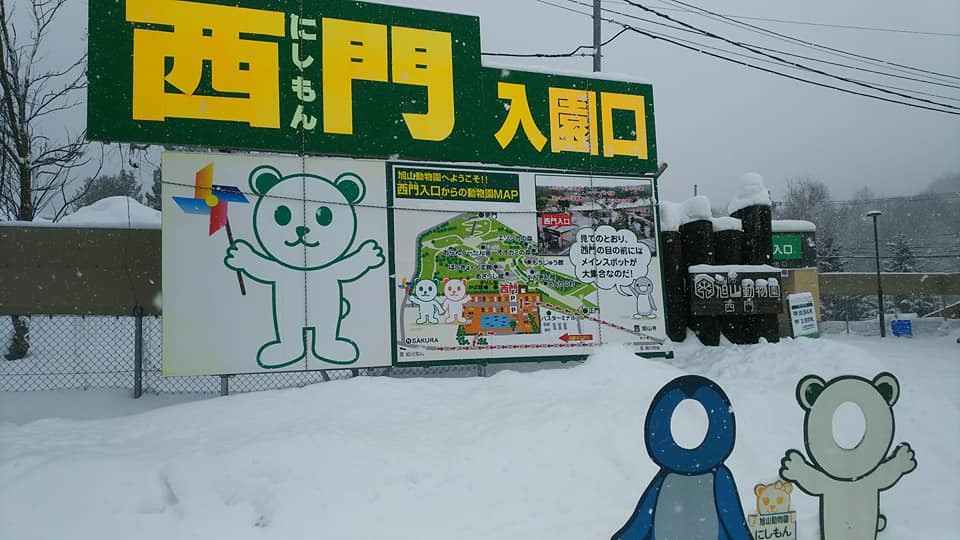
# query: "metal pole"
[[876, 250], [596, 35], [138, 352], [224, 385]]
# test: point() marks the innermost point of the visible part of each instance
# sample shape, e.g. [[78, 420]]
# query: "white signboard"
[[287, 263], [273, 263], [782, 525], [803, 315]]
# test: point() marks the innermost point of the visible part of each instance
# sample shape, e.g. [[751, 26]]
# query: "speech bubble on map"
[[609, 257]]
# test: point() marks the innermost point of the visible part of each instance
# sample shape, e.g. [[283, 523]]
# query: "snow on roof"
[[730, 268], [695, 209], [671, 216], [109, 213], [793, 225], [726, 224], [752, 192]]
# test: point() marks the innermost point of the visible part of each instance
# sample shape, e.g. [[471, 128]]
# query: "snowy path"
[[552, 454]]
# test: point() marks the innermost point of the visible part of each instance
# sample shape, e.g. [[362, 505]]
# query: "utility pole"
[[596, 35]]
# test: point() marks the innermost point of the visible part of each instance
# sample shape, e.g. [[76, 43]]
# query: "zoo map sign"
[[285, 263], [409, 253], [338, 77]]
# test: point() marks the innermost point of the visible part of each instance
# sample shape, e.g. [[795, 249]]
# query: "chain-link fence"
[[82, 352]]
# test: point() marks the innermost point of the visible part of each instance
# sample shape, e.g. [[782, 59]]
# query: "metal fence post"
[[224, 385], [138, 352]]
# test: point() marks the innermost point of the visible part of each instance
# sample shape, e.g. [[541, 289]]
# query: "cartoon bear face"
[[820, 400], [721, 433], [455, 289], [773, 498], [304, 221], [425, 289]]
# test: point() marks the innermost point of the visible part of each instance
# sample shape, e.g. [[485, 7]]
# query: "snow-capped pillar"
[[752, 206], [674, 273], [696, 234], [728, 247]]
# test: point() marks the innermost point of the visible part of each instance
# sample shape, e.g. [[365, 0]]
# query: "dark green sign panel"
[[339, 77], [787, 247]]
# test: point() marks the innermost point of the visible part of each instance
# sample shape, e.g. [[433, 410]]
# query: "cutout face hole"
[[689, 424], [849, 425]]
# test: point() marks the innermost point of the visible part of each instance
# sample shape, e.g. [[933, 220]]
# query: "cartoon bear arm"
[[440, 309], [729, 509], [890, 471], [640, 524], [242, 257], [353, 266], [794, 467]]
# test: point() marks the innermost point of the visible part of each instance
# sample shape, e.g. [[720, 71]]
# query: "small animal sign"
[[773, 518], [773, 498]]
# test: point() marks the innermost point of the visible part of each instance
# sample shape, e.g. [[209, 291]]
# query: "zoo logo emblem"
[[848, 481], [305, 226]]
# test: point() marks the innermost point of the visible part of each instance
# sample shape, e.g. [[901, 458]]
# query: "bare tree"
[[34, 166]]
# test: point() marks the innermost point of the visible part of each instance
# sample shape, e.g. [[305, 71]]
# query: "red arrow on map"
[[566, 338]]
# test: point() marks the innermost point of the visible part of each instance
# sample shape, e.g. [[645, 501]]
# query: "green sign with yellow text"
[[348, 78]]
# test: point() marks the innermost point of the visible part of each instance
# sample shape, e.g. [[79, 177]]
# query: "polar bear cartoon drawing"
[[305, 226], [454, 297], [424, 295], [848, 481]]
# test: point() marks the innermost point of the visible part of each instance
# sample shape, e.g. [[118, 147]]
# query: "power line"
[[807, 43], [848, 66], [575, 52], [791, 63], [825, 25], [673, 41], [838, 64], [756, 59]]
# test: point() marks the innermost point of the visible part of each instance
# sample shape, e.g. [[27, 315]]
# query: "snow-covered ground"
[[551, 454]]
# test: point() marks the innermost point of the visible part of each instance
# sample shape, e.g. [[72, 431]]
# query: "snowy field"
[[553, 454]]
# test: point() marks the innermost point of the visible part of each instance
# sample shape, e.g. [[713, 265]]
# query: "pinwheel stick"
[[243, 288]]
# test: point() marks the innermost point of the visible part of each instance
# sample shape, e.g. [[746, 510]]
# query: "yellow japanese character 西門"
[[244, 71], [518, 116], [352, 51], [635, 146], [425, 58], [573, 121]]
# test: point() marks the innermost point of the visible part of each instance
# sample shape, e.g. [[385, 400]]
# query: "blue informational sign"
[[901, 327]]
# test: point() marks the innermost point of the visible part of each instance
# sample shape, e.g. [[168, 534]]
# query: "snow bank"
[[553, 454], [752, 192], [109, 213], [671, 216], [726, 224], [695, 209], [114, 212]]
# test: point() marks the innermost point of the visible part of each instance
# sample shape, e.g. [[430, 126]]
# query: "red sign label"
[[556, 220]]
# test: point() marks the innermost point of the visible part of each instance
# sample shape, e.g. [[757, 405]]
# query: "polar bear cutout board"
[[306, 249], [848, 481], [696, 479]]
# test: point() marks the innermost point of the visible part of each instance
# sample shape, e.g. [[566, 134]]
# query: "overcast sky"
[[715, 120]]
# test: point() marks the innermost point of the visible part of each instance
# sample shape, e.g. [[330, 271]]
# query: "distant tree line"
[[917, 234]]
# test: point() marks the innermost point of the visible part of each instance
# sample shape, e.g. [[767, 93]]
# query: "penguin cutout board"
[[848, 481], [694, 495]]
